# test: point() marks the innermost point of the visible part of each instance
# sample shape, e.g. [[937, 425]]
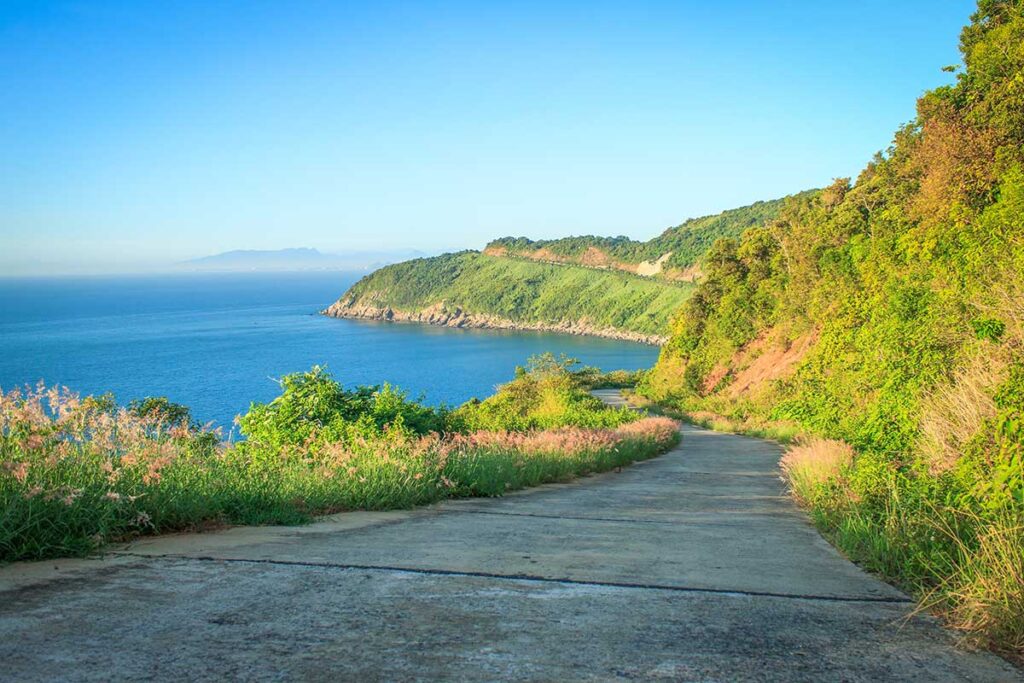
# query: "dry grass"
[[1004, 297], [956, 410], [812, 462], [985, 595]]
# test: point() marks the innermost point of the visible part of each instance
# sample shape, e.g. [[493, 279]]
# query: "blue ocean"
[[218, 342]]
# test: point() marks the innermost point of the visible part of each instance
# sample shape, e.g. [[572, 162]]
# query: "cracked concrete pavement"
[[693, 566]]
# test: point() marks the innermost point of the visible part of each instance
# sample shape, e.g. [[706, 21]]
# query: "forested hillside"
[[469, 289], [887, 315], [674, 254]]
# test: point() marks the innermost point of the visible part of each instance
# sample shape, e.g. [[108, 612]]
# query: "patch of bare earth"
[[649, 268], [712, 379], [764, 360], [689, 274], [595, 258]]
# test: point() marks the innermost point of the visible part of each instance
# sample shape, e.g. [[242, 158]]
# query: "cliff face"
[[454, 316]]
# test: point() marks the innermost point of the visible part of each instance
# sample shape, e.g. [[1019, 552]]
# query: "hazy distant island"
[[297, 259]]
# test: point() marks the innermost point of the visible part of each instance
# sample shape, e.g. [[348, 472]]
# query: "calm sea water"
[[216, 342]]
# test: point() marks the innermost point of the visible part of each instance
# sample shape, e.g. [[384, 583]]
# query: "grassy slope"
[[524, 291]]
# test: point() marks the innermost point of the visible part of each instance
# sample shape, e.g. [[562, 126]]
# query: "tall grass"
[[985, 594], [811, 463], [491, 463], [76, 473], [920, 530], [956, 410]]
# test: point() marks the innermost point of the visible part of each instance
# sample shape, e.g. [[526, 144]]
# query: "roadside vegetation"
[[593, 378], [884, 321], [76, 473]]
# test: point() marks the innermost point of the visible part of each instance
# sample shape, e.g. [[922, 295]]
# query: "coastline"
[[443, 316]]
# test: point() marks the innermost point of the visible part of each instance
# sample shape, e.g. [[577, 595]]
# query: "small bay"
[[217, 342]]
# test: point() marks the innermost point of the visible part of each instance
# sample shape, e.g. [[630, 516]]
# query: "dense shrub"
[[593, 378], [547, 393], [314, 406]]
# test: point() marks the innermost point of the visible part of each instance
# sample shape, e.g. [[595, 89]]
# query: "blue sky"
[[134, 134]]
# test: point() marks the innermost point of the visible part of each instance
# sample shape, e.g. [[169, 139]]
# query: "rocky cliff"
[[454, 316]]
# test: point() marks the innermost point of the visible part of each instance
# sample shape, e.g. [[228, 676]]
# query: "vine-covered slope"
[[889, 314]]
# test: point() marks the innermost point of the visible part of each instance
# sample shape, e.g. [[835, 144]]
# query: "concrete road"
[[693, 567], [614, 398]]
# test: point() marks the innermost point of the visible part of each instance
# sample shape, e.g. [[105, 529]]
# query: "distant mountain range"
[[302, 258]]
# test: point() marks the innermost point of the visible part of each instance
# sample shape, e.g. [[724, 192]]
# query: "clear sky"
[[134, 134]]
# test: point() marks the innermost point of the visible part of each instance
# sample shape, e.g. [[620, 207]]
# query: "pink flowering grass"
[[491, 463], [76, 473]]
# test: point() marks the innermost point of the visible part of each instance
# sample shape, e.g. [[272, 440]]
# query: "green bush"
[[313, 406], [547, 393]]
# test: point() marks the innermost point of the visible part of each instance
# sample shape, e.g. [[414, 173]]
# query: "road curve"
[[692, 566]]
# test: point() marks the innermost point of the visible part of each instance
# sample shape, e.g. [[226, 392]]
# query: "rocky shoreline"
[[445, 316]]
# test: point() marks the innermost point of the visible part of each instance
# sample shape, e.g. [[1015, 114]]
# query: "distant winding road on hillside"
[[692, 566]]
